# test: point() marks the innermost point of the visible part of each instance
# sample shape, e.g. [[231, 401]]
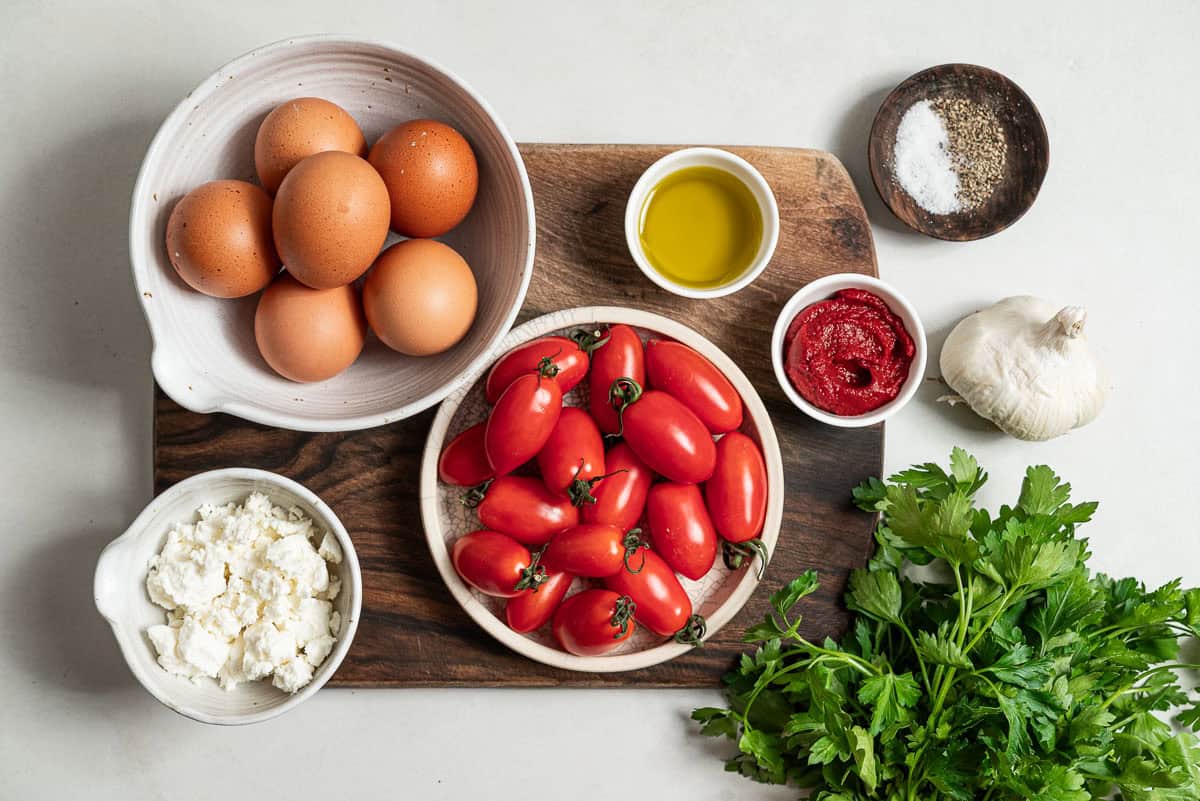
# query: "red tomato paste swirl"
[[848, 354]]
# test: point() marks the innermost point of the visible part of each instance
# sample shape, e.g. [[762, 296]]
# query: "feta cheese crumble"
[[248, 595]]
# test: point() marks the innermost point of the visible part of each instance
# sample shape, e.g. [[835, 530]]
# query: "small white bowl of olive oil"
[[702, 222]]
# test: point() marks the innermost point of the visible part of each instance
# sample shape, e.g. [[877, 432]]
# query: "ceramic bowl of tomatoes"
[[607, 494]]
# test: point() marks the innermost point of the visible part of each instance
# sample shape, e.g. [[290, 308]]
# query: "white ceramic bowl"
[[718, 596], [205, 356], [823, 288], [120, 592], [703, 157]]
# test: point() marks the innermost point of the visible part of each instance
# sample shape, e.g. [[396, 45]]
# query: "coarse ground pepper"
[[950, 153], [977, 145]]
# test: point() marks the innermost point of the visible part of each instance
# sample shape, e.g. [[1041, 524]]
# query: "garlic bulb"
[[1026, 368]]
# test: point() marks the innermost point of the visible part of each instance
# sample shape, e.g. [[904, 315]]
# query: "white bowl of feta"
[[234, 595]]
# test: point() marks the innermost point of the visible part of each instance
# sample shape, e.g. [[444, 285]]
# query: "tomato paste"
[[848, 354]]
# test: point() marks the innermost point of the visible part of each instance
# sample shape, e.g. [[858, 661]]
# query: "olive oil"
[[700, 227]]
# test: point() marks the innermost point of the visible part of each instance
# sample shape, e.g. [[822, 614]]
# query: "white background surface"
[[83, 90]]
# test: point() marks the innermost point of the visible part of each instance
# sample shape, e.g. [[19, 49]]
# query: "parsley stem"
[[1000, 607], [1117, 726], [970, 610], [841, 656], [920, 661], [765, 681], [964, 620], [859, 664], [988, 682], [1130, 687], [948, 678]]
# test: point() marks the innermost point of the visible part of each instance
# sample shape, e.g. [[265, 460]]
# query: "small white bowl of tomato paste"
[[849, 350]]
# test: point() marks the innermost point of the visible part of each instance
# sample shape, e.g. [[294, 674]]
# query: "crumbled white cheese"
[[292, 674], [330, 550], [296, 559], [247, 595], [316, 649]]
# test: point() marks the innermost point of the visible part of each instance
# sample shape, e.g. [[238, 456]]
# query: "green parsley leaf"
[[864, 757], [786, 598], [939, 649], [890, 696], [1003, 669], [716, 722], [767, 751], [869, 495], [965, 469], [1042, 492], [876, 593], [823, 752], [1061, 783], [1190, 716]]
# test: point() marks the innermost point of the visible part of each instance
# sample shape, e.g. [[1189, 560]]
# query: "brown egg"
[[420, 297], [330, 219], [219, 239], [431, 176], [308, 334], [298, 129]]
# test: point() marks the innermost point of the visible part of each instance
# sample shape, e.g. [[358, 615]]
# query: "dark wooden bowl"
[[1027, 158]]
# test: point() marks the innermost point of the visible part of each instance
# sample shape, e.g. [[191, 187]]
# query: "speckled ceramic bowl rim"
[[747, 581], [246, 410], [352, 584], [821, 289]]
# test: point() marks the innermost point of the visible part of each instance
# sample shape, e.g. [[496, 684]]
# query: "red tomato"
[[695, 382], [737, 492], [592, 550], [532, 608], [594, 622], [665, 434], [620, 357], [662, 605], [570, 356], [680, 529], [621, 495], [524, 509], [575, 451], [464, 462], [522, 419], [494, 563]]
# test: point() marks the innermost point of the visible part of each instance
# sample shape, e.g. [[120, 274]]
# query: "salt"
[[922, 163]]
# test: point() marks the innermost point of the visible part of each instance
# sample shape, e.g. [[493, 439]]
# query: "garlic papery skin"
[[1027, 367]]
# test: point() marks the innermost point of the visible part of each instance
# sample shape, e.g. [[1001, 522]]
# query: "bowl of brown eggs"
[[329, 233]]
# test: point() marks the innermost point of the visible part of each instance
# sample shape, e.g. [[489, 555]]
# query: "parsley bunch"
[[986, 662]]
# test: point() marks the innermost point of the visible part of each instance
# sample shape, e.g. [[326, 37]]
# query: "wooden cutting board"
[[412, 632]]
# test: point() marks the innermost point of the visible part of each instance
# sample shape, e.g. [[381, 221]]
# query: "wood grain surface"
[[412, 632]]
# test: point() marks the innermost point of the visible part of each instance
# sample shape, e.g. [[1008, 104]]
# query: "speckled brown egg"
[[420, 297], [308, 334], [431, 176], [298, 129], [330, 219], [219, 239]]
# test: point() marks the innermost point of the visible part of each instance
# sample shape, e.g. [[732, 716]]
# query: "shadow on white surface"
[[850, 138], [75, 649], [84, 356], [92, 336]]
